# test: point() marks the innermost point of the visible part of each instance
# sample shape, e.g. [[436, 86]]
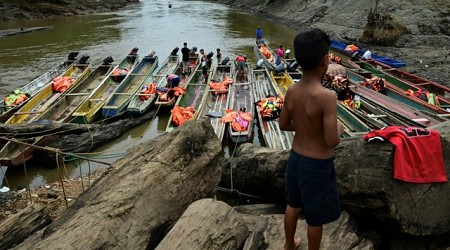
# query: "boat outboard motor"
[[293, 66], [72, 56], [210, 55], [83, 59], [108, 60], [134, 51], [151, 54], [281, 67], [194, 50], [355, 56], [286, 53], [174, 51], [259, 63], [225, 60]]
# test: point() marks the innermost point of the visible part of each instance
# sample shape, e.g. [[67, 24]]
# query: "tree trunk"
[[145, 193]]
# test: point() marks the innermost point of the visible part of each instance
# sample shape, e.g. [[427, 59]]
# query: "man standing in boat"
[[258, 33], [310, 111], [185, 51]]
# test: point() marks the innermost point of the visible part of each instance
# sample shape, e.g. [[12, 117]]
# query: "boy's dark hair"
[[310, 47]]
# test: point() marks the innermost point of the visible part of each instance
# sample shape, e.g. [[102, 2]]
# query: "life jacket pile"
[[339, 82], [334, 58], [425, 96], [221, 87], [181, 115], [15, 98], [60, 84], [270, 107], [117, 73], [147, 90], [351, 48], [266, 53], [167, 95], [239, 120], [375, 83]]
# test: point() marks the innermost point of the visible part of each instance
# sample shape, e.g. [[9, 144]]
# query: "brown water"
[[148, 25]]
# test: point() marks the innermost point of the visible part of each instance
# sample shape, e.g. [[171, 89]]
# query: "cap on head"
[[185, 44]]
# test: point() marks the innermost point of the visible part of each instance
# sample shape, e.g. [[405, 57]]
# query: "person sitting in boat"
[[333, 58], [346, 96], [173, 81]]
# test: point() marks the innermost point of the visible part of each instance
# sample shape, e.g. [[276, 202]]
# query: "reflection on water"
[[148, 25]]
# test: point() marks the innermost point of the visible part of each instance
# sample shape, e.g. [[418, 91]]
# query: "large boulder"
[[142, 197]]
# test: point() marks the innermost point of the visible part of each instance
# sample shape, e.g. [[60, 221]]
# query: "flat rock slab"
[[18, 31]]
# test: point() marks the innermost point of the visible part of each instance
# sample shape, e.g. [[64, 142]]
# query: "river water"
[[148, 25]]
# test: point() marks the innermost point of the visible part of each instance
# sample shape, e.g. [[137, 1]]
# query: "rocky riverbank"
[[22, 9], [425, 47]]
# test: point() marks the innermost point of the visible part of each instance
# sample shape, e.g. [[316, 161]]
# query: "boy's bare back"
[[311, 109]]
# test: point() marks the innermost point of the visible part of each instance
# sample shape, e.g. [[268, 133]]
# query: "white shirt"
[[367, 55]]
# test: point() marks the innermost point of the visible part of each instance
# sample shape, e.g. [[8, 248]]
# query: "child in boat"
[[310, 111]]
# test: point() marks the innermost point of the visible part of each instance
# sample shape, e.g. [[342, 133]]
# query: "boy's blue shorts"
[[311, 184]]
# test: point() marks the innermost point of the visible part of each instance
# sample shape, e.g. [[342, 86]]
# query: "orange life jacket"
[[147, 90], [60, 84], [181, 115]]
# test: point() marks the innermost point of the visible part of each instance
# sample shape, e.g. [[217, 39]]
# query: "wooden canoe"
[[352, 124], [90, 108], [400, 95], [273, 136], [406, 81], [62, 110], [194, 63], [393, 106], [268, 62], [138, 106], [216, 104], [282, 82], [118, 100], [196, 89], [33, 87], [241, 98], [386, 60], [47, 97]]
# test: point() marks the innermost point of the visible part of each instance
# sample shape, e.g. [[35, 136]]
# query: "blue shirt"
[[258, 33]]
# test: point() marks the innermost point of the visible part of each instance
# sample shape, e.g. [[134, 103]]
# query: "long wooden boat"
[[273, 136], [399, 94], [90, 108], [62, 110], [47, 97], [406, 81], [282, 81], [194, 63], [386, 60], [269, 61], [15, 154], [118, 101], [241, 100], [216, 103], [33, 87], [393, 106], [138, 106], [196, 90], [352, 124]]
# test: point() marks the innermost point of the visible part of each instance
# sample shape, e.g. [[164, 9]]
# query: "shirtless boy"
[[310, 111]]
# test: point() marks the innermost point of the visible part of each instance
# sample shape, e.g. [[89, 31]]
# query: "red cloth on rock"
[[418, 153]]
